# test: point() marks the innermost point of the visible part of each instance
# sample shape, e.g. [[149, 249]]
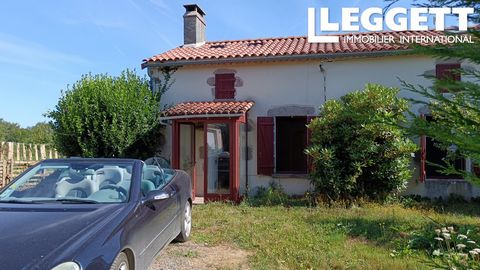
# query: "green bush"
[[358, 150], [105, 116], [269, 196]]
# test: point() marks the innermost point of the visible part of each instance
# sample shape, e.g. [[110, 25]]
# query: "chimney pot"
[[193, 26]]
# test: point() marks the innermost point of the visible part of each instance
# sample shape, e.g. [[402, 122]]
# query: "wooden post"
[[18, 151], [2, 165], [24, 155], [10, 150], [10, 161], [36, 151], [43, 153], [3, 178], [30, 152]]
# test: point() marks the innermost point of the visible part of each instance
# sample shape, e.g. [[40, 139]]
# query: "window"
[[291, 141], [225, 86], [75, 181], [155, 178], [447, 72]]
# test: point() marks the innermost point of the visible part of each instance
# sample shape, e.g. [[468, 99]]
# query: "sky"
[[47, 45]]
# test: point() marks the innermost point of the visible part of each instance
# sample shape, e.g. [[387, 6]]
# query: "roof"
[[277, 47], [209, 108]]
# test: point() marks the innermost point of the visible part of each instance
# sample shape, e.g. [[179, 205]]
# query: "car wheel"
[[120, 262], [184, 235]]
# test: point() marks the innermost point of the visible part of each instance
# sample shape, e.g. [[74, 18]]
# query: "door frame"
[[192, 153], [234, 140]]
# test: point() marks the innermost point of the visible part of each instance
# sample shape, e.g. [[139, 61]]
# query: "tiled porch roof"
[[209, 107]]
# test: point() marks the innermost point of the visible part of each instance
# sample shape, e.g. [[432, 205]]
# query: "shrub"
[[269, 196], [105, 116], [358, 149]]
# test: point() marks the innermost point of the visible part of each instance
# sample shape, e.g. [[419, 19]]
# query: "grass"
[[323, 237]]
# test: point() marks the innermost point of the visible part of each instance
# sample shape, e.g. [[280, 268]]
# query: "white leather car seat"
[[107, 176], [82, 189]]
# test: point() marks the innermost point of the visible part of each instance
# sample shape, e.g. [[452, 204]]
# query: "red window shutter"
[[225, 86], [423, 154], [309, 137], [448, 72], [265, 163]]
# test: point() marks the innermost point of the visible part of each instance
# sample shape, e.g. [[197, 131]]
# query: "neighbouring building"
[[237, 111]]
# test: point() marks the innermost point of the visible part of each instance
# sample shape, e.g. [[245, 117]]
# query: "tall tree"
[[40, 133], [454, 105], [13, 132]]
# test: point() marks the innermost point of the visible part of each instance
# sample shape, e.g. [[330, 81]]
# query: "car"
[[92, 214]]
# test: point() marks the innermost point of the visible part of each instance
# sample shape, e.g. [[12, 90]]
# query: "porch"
[[208, 142]]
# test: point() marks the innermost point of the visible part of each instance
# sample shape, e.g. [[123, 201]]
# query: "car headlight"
[[67, 266]]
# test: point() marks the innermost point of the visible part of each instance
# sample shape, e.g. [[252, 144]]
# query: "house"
[[238, 109]]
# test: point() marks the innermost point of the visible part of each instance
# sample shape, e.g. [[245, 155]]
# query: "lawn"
[[324, 237]]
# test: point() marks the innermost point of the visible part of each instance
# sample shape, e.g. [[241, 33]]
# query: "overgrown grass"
[[281, 237]]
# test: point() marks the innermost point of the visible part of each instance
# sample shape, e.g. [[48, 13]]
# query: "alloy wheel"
[[188, 219]]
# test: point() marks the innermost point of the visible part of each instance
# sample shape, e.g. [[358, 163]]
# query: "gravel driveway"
[[180, 256]]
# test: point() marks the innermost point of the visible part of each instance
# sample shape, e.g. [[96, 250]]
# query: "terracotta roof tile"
[[281, 46], [209, 107]]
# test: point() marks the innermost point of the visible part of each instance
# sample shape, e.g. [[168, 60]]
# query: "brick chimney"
[[193, 26]]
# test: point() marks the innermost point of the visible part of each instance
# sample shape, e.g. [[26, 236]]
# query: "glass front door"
[[218, 154], [187, 151]]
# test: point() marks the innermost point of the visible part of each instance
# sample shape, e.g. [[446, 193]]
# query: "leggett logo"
[[395, 19]]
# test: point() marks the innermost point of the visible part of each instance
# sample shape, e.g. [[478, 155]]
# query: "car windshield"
[[72, 182]]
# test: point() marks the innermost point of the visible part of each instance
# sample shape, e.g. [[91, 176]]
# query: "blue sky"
[[47, 45]]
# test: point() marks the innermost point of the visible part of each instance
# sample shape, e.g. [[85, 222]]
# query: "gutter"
[[200, 116], [272, 58]]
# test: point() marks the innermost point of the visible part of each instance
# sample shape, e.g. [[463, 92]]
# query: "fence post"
[[30, 152], [24, 155], [10, 162], [4, 172], [43, 153], [9, 150], [17, 146], [15, 156]]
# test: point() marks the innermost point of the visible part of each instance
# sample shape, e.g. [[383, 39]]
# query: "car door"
[[156, 221]]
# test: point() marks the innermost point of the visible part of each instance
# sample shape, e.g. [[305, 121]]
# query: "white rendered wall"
[[276, 84]]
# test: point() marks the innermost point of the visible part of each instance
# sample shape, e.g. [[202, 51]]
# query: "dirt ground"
[[180, 256]]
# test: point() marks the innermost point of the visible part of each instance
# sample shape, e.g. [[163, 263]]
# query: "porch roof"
[[208, 109]]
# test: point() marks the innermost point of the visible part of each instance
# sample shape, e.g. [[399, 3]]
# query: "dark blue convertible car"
[[92, 214]]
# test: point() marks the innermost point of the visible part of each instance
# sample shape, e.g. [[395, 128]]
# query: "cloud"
[[15, 51]]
